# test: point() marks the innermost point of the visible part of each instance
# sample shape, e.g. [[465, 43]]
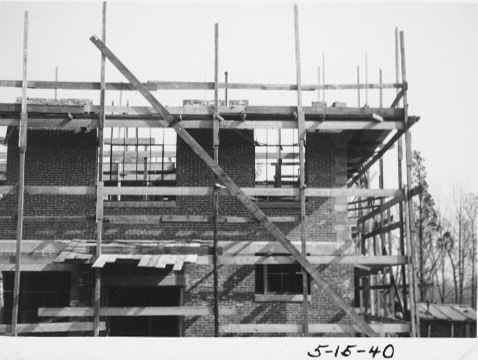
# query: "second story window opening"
[[280, 279], [277, 160], [139, 157]]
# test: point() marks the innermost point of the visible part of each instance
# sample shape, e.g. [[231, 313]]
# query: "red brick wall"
[[68, 158], [61, 158], [236, 289], [326, 221]]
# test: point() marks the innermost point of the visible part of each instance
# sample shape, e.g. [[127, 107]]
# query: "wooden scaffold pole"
[[400, 180], [100, 184], [302, 135], [22, 144], [408, 200], [216, 187]]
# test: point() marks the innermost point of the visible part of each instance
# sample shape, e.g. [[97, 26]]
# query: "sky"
[[175, 42]]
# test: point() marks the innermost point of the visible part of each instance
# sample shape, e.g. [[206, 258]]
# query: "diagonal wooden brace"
[[233, 188]]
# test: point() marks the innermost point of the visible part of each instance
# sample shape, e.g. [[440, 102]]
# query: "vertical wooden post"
[[22, 144], [386, 275], [361, 276], [301, 133], [389, 276], [400, 182], [382, 235], [382, 249], [318, 84], [408, 200], [323, 77], [358, 88], [56, 79], [366, 79], [216, 189], [100, 184], [226, 89], [372, 277], [367, 281]]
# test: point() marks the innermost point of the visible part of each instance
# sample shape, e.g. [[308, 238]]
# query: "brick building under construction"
[[211, 219]]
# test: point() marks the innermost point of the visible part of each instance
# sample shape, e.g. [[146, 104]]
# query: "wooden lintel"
[[134, 311], [313, 328], [52, 327]]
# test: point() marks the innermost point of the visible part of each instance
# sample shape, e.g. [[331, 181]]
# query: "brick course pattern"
[[67, 158], [56, 158]]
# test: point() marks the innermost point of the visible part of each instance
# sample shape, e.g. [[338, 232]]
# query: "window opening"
[[280, 279], [140, 157], [37, 289], [277, 160]]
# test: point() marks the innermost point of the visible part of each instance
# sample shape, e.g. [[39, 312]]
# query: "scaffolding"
[[385, 284]]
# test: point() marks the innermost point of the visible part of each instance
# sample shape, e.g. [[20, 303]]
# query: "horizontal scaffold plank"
[[274, 247], [51, 190], [310, 126], [34, 247], [8, 189], [155, 219], [204, 112], [341, 113], [52, 327], [52, 266], [316, 260], [207, 191], [135, 311], [313, 328], [136, 281], [188, 85], [46, 108], [52, 248], [60, 190]]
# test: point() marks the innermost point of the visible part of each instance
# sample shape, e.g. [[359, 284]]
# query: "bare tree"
[[471, 215], [444, 245], [463, 256], [425, 228]]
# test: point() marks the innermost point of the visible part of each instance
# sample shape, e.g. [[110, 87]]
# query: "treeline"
[[446, 240]]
